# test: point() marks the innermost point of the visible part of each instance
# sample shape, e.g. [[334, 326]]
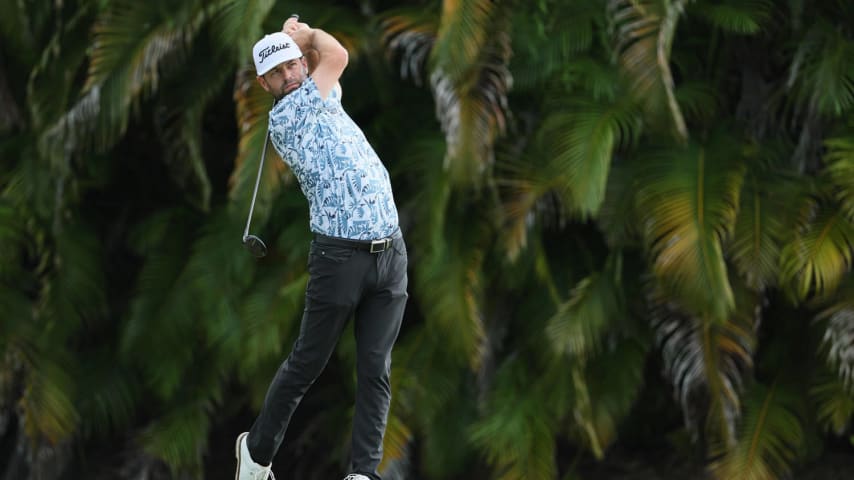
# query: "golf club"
[[252, 243]]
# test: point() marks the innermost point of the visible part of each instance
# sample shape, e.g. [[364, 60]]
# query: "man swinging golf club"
[[357, 261]]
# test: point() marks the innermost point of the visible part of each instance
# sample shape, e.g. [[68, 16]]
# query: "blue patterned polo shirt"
[[346, 184]]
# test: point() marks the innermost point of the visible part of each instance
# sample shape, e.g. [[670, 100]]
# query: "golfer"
[[357, 261]]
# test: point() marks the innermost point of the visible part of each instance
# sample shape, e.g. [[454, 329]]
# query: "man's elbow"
[[340, 57]]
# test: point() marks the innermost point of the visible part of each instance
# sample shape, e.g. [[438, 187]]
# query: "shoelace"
[[262, 475]]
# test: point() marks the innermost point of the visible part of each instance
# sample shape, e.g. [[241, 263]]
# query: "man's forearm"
[[316, 39]]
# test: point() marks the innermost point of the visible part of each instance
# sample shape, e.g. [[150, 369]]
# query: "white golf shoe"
[[247, 469], [356, 476]]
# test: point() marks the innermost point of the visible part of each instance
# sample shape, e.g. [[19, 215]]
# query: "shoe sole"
[[237, 453]]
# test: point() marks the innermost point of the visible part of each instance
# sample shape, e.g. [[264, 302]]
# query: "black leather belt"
[[373, 246]]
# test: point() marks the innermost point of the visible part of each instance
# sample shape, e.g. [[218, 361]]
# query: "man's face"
[[284, 78]]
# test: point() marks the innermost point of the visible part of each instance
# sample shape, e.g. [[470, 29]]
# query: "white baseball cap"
[[272, 50]]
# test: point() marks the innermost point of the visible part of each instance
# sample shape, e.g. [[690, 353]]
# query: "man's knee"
[[374, 367]]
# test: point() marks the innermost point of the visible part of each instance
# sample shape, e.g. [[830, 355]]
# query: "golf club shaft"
[[257, 182], [260, 170]]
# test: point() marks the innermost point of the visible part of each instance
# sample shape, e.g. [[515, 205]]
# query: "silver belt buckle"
[[380, 245]]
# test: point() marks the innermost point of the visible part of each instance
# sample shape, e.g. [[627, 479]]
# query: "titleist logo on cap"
[[271, 49]]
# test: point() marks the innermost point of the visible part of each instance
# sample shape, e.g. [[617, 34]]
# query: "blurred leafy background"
[[630, 228]]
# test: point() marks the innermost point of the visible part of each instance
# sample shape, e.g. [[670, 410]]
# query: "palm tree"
[[613, 209]]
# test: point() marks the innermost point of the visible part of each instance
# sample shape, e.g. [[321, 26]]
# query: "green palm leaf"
[[581, 145], [450, 277], [594, 306], [179, 437], [840, 168], [834, 401], [517, 434], [47, 407], [619, 213], [451, 288], [763, 225], [108, 394], [134, 42], [606, 388], [744, 17], [817, 259], [548, 41], [48, 91], [270, 312], [431, 394], [770, 436], [822, 70], [237, 24], [643, 32], [688, 201]]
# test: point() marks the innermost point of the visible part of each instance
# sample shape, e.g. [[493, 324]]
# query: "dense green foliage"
[[630, 223]]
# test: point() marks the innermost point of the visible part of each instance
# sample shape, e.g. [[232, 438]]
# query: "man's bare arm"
[[331, 57]]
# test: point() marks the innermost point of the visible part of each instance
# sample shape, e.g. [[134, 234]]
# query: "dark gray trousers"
[[342, 282]]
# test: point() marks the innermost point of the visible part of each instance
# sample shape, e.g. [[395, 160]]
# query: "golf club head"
[[255, 246]]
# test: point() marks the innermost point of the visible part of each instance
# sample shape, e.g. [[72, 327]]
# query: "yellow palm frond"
[[819, 255], [644, 31], [688, 200], [770, 437]]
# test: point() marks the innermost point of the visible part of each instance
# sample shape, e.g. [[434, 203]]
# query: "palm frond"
[[739, 17], [698, 100], [431, 395], [643, 32], [161, 302], [618, 215], [838, 339], [236, 24], [269, 312], [517, 433], [397, 444], [606, 388], [822, 70], [409, 33], [819, 256], [834, 402], [180, 436], [450, 285], [73, 290], [581, 145], [688, 200], [47, 407], [181, 137], [840, 168], [450, 269], [707, 362], [48, 91], [763, 225], [470, 80], [132, 42], [580, 323], [526, 187], [770, 437], [108, 396], [549, 41]]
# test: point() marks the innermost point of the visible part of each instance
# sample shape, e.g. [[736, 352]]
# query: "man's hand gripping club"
[[325, 56]]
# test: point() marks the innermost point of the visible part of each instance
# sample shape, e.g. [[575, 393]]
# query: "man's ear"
[[263, 83]]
